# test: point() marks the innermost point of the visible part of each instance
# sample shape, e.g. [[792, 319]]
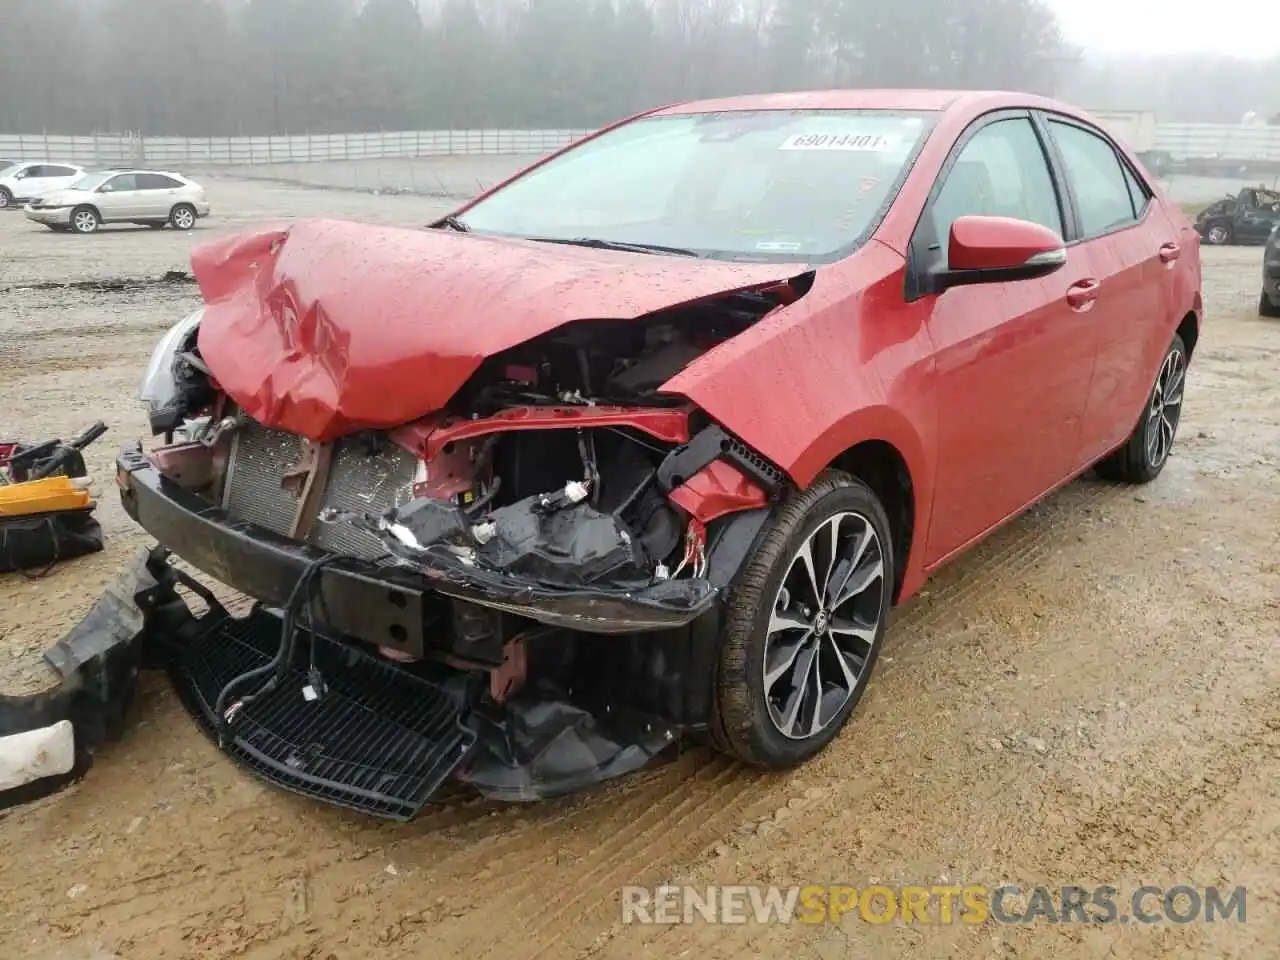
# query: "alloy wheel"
[[825, 618], [1166, 407], [1218, 235], [183, 219], [85, 221]]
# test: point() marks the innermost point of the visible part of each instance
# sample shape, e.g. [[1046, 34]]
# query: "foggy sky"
[[1245, 27]]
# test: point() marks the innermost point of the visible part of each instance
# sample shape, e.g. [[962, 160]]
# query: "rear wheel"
[[1145, 453], [1268, 307], [183, 216], [804, 624], [1218, 234], [85, 220]]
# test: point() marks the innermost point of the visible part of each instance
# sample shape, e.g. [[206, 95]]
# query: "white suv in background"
[[25, 181], [150, 197]]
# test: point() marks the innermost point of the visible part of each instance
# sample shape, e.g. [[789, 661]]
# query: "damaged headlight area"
[[176, 380]]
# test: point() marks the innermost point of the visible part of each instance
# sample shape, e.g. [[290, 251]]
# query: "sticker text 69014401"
[[838, 141]]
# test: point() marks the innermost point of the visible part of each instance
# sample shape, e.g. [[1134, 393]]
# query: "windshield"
[[91, 181], [802, 185]]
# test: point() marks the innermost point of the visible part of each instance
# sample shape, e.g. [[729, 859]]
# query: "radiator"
[[358, 481]]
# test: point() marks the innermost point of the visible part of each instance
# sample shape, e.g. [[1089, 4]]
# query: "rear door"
[[59, 177], [1130, 248], [1013, 360], [157, 194]]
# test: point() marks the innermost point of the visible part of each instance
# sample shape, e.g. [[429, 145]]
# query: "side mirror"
[[998, 250], [22, 174]]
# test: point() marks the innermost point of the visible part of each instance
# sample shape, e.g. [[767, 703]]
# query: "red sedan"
[[647, 440]]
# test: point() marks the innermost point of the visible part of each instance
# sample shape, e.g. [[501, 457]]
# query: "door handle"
[[1170, 252], [1080, 296]]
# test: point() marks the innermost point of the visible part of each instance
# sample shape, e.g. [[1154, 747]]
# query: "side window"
[[36, 170], [124, 181], [1002, 171], [156, 181], [1097, 179], [60, 172], [1138, 193]]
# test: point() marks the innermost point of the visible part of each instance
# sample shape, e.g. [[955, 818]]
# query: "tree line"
[[240, 67]]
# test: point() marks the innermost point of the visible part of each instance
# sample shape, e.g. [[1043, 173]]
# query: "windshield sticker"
[[779, 246], [864, 142]]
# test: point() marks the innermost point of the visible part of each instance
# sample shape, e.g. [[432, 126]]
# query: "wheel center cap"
[[820, 621]]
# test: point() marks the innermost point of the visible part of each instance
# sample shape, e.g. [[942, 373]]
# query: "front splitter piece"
[[381, 740]]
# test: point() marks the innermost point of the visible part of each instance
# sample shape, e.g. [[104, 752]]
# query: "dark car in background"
[[1248, 217], [1269, 302]]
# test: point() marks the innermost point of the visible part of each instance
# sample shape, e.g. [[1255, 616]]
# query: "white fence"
[[1182, 140], [1226, 140], [104, 150]]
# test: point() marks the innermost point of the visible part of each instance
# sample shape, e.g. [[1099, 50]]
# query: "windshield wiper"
[[453, 223], [599, 244]]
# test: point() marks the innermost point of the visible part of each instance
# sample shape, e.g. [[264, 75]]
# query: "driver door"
[[118, 198], [31, 181], [1014, 360]]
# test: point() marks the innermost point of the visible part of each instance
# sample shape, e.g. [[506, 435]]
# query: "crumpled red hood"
[[325, 327]]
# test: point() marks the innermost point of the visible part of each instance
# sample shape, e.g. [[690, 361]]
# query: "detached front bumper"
[[48, 739], [383, 605]]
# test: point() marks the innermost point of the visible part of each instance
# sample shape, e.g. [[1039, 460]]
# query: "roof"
[[117, 170], [935, 100]]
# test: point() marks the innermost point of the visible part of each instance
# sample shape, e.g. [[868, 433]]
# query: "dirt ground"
[[1092, 696]]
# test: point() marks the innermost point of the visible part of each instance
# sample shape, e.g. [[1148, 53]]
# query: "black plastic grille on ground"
[[380, 741]]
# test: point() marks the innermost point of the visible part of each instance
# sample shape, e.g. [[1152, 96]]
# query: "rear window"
[[156, 181]]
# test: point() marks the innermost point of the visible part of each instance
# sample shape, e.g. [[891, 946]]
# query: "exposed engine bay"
[[495, 480], [621, 362]]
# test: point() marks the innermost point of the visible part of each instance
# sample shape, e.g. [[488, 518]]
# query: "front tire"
[[1268, 307], [6, 197], [1147, 450], [804, 624], [85, 220]]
